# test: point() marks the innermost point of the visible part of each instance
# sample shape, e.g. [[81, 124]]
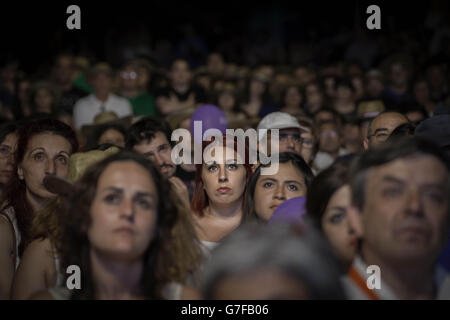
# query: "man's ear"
[[355, 220], [20, 172], [366, 144]]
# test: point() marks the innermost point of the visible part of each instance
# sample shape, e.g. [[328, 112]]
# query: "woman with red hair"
[[221, 180]]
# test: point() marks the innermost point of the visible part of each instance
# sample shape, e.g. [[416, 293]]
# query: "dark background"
[[33, 32]]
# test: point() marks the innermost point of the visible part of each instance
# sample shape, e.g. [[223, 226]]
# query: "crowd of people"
[[88, 179]]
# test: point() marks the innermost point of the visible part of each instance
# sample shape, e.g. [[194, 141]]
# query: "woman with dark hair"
[[43, 98], [220, 183], [8, 141], [227, 100], [117, 226], [327, 202], [266, 192], [292, 100], [43, 148], [110, 133], [257, 100]]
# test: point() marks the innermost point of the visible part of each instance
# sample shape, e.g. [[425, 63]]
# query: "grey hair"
[[385, 153], [252, 247]]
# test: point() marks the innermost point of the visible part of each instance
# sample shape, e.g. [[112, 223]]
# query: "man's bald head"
[[381, 127]]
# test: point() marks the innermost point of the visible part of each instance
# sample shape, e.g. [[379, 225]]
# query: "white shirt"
[[88, 107], [354, 292]]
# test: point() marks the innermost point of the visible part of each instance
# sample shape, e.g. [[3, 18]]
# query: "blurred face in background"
[[215, 64], [43, 100], [337, 228], [293, 97], [382, 126], [112, 136], [308, 142], [263, 284], [257, 87], [398, 74], [421, 92], [64, 70], [129, 78], [329, 138], [7, 149], [226, 100], [180, 73], [374, 87], [102, 82]]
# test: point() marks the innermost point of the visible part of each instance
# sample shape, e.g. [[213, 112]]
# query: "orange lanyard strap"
[[359, 281]]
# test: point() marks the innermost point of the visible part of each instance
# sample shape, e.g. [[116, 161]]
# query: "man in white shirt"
[[101, 100], [400, 194]]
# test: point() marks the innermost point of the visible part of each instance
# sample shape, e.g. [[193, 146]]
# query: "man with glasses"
[[141, 102], [381, 127], [291, 137]]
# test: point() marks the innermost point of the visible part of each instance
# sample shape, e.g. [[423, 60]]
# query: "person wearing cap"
[[290, 131], [101, 100], [400, 212], [381, 127]]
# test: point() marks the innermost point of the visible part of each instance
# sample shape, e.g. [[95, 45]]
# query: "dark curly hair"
[[14, 192], [75, 246]]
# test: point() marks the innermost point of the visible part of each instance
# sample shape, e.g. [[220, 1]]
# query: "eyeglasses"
[[305, 142], [379, 136], [129, 75], [5, 151]]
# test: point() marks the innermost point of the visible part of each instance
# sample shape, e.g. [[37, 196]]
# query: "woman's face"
[[112, 136], [226, 101], [224, 182], [307, 151], [123, 212], [273, 190], [46, 154], [43, 100], [257, 87], [293, 97], [336, 226], [7, 149]]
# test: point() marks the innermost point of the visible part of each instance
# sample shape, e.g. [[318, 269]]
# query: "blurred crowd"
[[88, 178]]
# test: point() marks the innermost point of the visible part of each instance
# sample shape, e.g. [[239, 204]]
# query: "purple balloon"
[[290, 211], [211, 117]]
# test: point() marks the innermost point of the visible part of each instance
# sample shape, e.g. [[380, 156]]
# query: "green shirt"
[[143, 105]]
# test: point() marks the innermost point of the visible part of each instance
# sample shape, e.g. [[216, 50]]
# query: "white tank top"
[[11, 218]]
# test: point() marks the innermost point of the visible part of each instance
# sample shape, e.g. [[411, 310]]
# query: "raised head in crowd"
[[400, 201], [327, 202], [266, 192], [151, 137], [118, 221], [43, 148], [221, 180], [103, 99]]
